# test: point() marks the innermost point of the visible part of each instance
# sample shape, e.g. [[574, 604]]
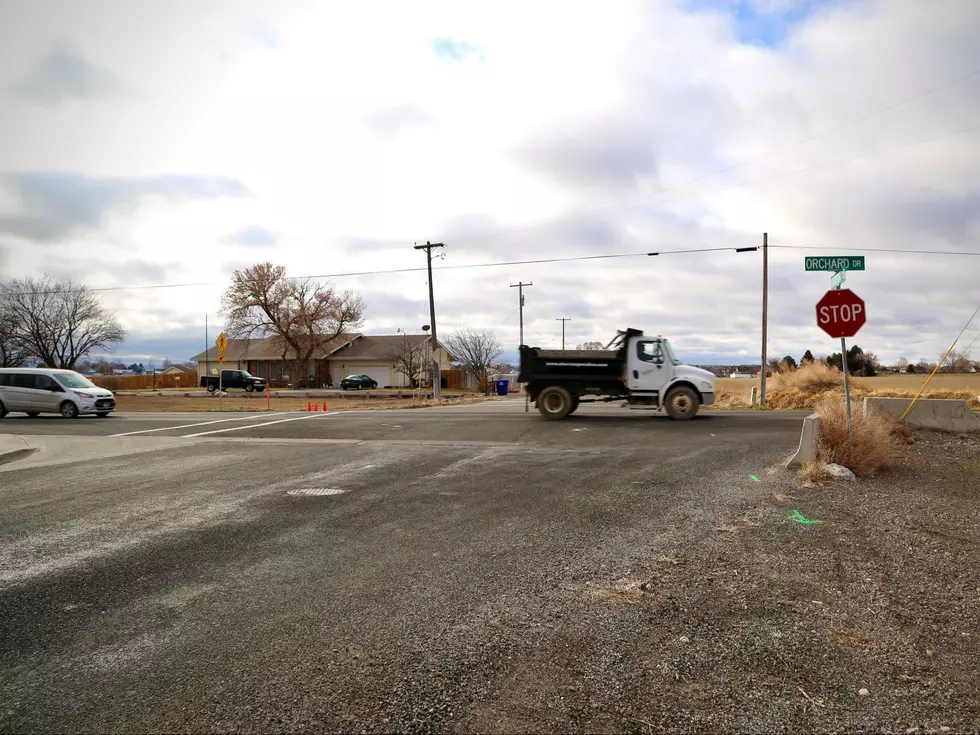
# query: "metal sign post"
[[222, 344], [847, 393]]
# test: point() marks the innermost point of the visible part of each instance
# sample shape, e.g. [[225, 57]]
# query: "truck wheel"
[[554, 403], [249, 388], [682, 403], [212, 387]]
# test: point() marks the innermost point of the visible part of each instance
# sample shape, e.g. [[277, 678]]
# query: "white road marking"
[[200, 423], [267, 423]]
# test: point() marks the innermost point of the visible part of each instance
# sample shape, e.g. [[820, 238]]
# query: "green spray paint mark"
[[754, 478], [800, 518]]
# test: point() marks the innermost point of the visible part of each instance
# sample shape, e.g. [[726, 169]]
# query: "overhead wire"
[[391, 271]]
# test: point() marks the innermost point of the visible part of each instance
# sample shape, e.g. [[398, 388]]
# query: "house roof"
[[379, 346], [268, 348]]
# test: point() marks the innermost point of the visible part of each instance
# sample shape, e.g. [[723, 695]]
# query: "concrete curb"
[[13, 448], [943, 414], [808, 443]]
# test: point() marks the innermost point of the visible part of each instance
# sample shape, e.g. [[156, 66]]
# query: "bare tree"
[[958, 361], [12, 351], [902, 364], [590, 346], [410, 357], [302, 315], [58, 322], [476, 352]]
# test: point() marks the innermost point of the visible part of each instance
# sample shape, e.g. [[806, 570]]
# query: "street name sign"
[[834, 263]]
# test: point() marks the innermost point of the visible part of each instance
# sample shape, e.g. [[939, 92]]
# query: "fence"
[[147, 381]]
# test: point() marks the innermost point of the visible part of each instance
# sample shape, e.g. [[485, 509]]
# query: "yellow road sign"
[[221, 343]]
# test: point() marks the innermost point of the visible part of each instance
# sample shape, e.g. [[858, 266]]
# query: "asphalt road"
[[187, 587]]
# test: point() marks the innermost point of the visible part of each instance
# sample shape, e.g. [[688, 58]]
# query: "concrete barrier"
[[944, 414], [808, 443]]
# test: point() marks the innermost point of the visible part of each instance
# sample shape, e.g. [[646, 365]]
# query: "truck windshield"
[[670, 353]]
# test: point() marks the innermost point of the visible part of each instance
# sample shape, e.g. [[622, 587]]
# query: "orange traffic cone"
[[316, 406], [309, 406], [324, 405]]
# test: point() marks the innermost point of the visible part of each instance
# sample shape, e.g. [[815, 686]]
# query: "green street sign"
[[834, 263]]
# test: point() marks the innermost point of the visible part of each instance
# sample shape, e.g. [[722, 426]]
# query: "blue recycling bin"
[[502, 386]]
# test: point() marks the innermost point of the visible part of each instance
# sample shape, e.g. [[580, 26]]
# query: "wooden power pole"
[[563, 320], [436, 373], [765, 314], [520, 291]]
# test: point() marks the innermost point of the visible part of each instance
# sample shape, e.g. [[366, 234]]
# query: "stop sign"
[[841, 313]]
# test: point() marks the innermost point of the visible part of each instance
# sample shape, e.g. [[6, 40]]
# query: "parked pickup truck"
[[233, 379], [642, 371]]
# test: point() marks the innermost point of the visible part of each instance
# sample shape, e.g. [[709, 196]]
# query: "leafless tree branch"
[[476, 352], [58, 322]]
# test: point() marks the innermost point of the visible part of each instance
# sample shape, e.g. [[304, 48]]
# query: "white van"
[[39, 390]]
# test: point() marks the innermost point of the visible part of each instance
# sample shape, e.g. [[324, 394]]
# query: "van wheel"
[[682, 403], [33, 414], [69, 410], [212, 387], [554, 403]]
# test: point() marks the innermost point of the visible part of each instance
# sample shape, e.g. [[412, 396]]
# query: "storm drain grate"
[[315, 491]]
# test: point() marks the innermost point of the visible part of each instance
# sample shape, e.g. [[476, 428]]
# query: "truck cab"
[[653, 369]]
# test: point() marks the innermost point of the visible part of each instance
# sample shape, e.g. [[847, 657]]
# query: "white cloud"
[[474, 124]]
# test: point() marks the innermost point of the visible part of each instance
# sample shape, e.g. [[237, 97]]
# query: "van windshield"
[[74, 380]]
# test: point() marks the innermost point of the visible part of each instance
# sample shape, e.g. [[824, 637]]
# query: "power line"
[[875, 250], [413, 270], [617, 207], [593, 257]]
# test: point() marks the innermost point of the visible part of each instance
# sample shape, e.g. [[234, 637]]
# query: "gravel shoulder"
[[865, 620]]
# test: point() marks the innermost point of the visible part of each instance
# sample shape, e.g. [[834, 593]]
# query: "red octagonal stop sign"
[[841, 313]]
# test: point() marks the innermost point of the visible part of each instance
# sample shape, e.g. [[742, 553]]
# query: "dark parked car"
[[357, 382], [233, 379]]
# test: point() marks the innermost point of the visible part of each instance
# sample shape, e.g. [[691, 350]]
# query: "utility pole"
[[520, 290], [436, 373], [563, 320], [765, 313]]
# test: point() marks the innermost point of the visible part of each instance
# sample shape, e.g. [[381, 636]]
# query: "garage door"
[[380, 374]]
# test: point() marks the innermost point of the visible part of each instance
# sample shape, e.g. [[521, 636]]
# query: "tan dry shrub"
[[814, 377], [814, 471], [875, 441]]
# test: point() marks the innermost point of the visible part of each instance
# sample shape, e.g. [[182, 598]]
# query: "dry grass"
[[813, 472], [813, 377], [623, 591], [807, 387], [241, 403], [876, 440]]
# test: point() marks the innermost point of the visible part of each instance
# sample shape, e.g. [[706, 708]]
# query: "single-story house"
[[348, 354], [177, 370]]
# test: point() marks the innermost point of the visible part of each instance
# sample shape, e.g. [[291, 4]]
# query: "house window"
[[285, 370]]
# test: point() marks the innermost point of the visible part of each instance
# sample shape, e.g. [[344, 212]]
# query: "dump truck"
[[642, 371]]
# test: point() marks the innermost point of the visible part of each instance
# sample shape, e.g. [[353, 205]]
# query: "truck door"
[[649, 370]]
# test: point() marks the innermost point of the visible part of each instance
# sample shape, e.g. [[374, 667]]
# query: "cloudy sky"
[[148, 144]]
